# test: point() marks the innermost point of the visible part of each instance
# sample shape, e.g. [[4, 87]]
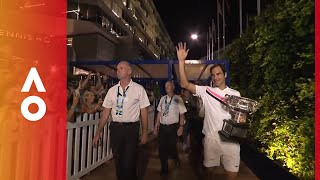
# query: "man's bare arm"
[[104, 119], [102, 122], [182, 54], [144, 119]]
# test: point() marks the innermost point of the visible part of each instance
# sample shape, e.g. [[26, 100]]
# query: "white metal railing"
[[81, 156]]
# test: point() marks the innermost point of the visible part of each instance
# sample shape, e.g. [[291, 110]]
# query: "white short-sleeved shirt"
[[214, 113], [136, 98], [176, 107]]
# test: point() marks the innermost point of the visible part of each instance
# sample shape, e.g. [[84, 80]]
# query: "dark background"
[[184, 17]]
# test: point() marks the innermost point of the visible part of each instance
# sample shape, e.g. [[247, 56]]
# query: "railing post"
[[84, 159]]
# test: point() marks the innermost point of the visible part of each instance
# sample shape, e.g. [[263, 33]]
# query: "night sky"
[[184, 17]]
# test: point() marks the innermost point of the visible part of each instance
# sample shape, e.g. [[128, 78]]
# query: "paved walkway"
[[149, 167]]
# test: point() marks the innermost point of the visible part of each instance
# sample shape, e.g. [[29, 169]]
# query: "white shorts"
[[216, 151]]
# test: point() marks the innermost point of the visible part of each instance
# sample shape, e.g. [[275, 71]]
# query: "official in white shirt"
[[126, 101], [169, 124]]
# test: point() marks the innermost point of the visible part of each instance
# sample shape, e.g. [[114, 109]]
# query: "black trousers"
[[197, 126], [124, 139], [167, 144]]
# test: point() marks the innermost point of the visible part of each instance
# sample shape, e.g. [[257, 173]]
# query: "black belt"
[[169, 124], [124, 123]]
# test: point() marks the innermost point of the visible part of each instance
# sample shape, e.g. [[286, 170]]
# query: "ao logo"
[[33, 76]]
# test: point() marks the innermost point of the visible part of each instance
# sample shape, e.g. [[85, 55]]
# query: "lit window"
[[69, 41], [117, 10], [124, 2]]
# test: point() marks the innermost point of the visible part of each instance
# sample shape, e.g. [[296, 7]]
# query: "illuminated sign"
[[24, 36]]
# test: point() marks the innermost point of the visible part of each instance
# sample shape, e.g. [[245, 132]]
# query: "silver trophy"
[[239, 108]]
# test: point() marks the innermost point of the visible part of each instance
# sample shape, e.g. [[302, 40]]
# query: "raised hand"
[[76, 97], [100, 101], [89, 76], [182, 51], [79, 84]]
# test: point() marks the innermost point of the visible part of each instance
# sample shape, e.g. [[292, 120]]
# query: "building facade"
[[116, 30]]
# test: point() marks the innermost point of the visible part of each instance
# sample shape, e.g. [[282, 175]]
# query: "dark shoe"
[[178, 164], [164, 172]]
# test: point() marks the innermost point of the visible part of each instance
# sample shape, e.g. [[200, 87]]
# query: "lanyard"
[[120, 106], [166, 109]]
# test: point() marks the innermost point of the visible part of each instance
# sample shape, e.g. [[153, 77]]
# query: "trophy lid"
[[241, 103]]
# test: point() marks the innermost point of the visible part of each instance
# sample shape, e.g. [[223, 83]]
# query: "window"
[[125, 2], [106, 23], [69, 41], [130, 6], [108, 3], [117, 10], [142, 25], [149, 32], [143, 9], [140, 35]]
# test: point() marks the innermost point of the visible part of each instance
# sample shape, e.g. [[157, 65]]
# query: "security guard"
[[125, 101], [169, 125]]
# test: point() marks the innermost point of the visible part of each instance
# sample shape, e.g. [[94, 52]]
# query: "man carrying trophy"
[[215, 149]]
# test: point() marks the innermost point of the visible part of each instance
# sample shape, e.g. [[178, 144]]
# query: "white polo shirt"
[[176, 107], [135, 99], [214, 113]]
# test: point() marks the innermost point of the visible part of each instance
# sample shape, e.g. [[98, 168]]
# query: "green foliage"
[[273, 62]]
